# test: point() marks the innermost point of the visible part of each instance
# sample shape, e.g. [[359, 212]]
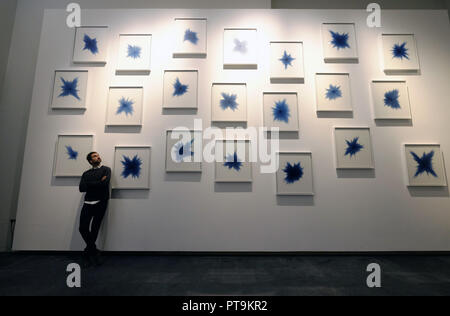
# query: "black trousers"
[[90, 222]]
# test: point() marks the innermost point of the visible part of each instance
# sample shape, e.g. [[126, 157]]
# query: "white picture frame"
[[180, 89], [229, 102], [353, 148], [184, 151], [333, 92], [426, 167], [281, 111], [286, 61], [294, 176], [71, 153], [132, 168], [191, 38], [91, 45], [233, 161], [125, 106], [70, 90], [240, 48], [339, 43], [134, 53], [390, 100], [399, 53]]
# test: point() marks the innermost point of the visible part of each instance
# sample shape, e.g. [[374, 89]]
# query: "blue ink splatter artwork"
[[90, 44], [69, 88], [391, 99], [233, 162], [134, 52], [287, 60], [71, 153], [339, 40], [191, 37], [353, 147], [281, 111], [293, 173], [229, 101], [240, 46], [424, 164], [183, 151], [179, 89], [400, 51], [125, 106], [333, 92], [131, 167]]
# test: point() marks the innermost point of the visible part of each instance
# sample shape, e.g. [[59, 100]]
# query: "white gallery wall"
[[351, 211]]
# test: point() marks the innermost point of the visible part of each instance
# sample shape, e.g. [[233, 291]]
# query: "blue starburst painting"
[[353, 147], [424, 164], [179, 89], [281, 111], [293, 172], [125, 106], [233, 162], [183, 151], [240, 46], [333, 92], [191, 37], [391, 99], [71, 153], [131, 167], [229, 101], [134, 51], [339, 40], [69, 88], [399, 51], [90, 44], [286, 60]]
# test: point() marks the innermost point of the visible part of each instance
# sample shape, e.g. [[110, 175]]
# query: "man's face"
[[95, 159]]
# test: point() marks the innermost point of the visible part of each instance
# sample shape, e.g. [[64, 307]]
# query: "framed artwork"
[[131, 168], [281, 110], [333, 93], [191, 38], [180, 89], [184, 151], [286, 61], [295, 175], [353, 148], [71, 153], [135, 53], [91, 45], [70, 89], [229, 102], [425, 165], [391, 100], [125, 106], [240, 48], [400, 53], [233, 162], [339, 42]]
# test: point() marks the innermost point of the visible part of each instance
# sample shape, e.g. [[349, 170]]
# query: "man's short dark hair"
[[89, 156]]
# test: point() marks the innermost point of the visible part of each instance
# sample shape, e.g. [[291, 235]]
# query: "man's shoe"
[[97, 259], [87, 261]]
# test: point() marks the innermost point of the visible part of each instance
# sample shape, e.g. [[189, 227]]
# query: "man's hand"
[[104, 178]]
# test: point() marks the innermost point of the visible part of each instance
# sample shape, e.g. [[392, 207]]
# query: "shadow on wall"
[[356, 173], [76, 239], [295, 200], [233, 187], [429, 192]]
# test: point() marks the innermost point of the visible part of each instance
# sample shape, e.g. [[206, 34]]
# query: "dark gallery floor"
[[225, 275]]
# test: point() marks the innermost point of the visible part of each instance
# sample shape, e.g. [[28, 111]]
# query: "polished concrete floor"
[[225, 275]]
